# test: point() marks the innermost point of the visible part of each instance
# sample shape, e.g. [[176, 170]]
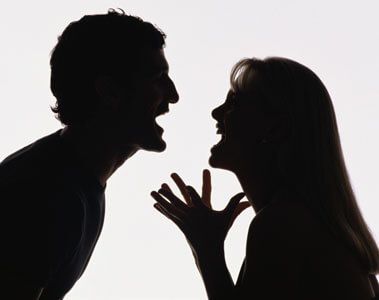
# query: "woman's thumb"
[[233, 203]]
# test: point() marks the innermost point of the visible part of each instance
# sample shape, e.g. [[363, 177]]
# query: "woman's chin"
[[218, 159], [213, 162]]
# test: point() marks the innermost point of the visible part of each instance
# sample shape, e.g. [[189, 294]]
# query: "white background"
[[140, 254]]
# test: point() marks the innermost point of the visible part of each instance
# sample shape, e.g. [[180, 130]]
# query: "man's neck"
[[98, 153]]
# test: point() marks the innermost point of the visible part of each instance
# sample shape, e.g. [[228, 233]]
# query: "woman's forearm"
[[216, 277], [205, 230]]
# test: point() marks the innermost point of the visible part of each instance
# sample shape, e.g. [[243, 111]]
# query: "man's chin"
[[154, 145]]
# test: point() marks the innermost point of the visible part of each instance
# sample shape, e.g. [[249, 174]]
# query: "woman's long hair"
[[311, 160]]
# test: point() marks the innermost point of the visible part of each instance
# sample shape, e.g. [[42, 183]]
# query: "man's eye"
[[160, 78]]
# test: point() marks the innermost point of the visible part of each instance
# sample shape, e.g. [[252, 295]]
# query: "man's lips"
[[220, 129], [162, 109], [160, 113]]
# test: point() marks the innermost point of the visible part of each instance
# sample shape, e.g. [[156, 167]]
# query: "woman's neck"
[[260, 190]]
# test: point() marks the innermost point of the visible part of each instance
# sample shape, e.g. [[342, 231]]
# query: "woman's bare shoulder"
[[288, 218], [293, 228], [275, 246], [289, 238]]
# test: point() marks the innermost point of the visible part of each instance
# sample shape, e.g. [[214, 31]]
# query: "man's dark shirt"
[[52, 212]]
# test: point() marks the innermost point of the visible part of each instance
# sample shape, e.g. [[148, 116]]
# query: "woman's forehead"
[[230, 94], [250, 92]]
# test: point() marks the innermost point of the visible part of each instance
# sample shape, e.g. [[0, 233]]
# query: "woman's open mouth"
[[220, 130]]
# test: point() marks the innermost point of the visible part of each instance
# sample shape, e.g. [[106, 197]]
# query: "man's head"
[[109, 73]]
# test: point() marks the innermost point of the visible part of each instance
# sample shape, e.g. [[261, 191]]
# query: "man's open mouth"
[[160, 112]]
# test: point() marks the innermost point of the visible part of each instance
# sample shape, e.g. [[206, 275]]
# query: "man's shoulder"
[[37, 178], [33, 165], [35, 150]]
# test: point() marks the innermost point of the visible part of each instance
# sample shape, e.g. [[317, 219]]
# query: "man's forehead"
[[155, 62]]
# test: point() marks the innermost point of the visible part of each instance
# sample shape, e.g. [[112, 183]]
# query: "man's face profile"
[[152, 93]]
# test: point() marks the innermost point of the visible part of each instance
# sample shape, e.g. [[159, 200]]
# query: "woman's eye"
[[232, 102], [157, 77]]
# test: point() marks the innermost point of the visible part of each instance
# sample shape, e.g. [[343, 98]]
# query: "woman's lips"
[[158, 128]]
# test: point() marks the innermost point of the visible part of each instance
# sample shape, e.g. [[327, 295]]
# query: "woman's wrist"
[[216, 277], [210, 257]]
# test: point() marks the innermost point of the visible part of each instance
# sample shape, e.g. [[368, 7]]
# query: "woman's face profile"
[[242, 125]]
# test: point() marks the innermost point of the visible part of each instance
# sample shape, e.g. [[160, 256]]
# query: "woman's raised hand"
[[204, 228]]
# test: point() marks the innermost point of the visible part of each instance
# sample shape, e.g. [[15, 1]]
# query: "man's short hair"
[[97, 45]]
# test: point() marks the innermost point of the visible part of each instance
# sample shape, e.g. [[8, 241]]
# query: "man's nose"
[[173, 96]]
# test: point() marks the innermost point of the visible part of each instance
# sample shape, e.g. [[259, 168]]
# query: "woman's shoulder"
[[296, 230], [288, 216], [289, 238], [274, 252], [292, 226]]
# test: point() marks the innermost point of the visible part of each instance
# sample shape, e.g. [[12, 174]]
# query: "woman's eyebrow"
[[230, 95]]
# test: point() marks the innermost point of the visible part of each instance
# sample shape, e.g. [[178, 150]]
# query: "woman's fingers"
[[172, 198], [207, 188], [238, 210], [167, 205], [195, 197], [182, 187], [166, 187], [169, 215], [234, 202], [234, 207]]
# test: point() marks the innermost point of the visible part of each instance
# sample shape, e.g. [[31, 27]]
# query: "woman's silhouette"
[[308, 239]]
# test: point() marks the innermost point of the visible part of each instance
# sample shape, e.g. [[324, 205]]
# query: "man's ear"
[[107, 92]]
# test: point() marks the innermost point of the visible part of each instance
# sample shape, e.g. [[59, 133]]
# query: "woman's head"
[[278, 120], [279, 105], [251, 128]]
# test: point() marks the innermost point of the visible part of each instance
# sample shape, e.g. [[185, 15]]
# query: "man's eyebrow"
[[164, 68]]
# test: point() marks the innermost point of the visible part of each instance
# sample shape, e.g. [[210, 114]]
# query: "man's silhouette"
[[110, 78]]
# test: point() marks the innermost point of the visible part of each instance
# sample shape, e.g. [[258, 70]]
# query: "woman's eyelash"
[[232, 101], [162, 77]]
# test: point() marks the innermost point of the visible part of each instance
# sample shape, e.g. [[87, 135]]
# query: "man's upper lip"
[[162, 112]]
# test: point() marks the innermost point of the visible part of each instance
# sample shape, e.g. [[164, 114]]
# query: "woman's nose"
[[217, 113]]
